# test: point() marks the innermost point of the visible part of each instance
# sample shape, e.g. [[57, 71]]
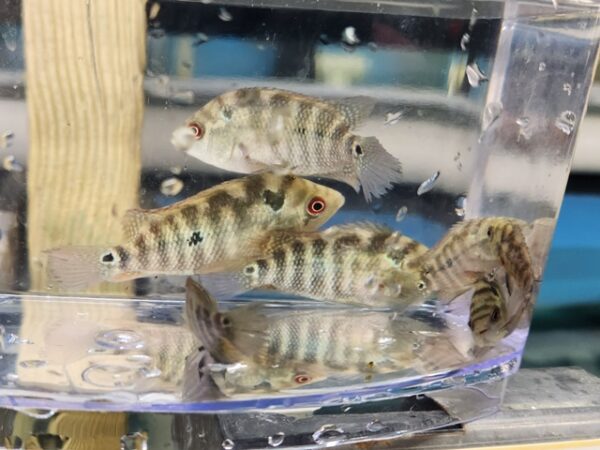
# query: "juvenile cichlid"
[[253, 129], [252, 349], [360, 263], [203, 233]]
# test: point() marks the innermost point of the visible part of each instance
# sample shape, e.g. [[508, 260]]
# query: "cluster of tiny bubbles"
[[461, 206], [328, 435], [228, 444], [276, 440], [428, 184], [490, 114], [474, 75], [566, 122], [171, 187], [225, 15], [32, 363]]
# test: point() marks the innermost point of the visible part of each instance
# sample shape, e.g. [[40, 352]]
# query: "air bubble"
[[461, 206], [566, 122], [171, 186], [474, 75], [9, 34], [393, 118], [276, 440], [349, 36], [6, 139], [151, 373], [401, 214], [110, 376], [32, 363], [490, 114], [225, 15], [10, 163], [228, 444], [567, 88], [542, 66], [375, 426], [154, 10], [140, 359], [328, 435], [464, 41], [120, 339], [428, 184], [201, 38]]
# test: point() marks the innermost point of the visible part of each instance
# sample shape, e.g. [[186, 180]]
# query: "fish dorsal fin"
[[134, 219], [358, 227], [249, 328], [355, 109]]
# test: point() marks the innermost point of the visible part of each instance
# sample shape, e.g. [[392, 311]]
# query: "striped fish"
[[207, 232], [360, 263], [255, 349], [254, 129]]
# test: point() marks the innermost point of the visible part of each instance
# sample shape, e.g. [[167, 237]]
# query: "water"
[[503, 144]]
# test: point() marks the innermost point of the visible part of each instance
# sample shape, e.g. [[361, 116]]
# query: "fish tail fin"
[[76, 267], [378, 169], [224, 285]]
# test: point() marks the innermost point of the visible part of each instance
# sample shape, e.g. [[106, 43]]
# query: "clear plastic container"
[[480, 101]]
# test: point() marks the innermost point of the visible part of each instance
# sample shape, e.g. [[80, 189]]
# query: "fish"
[[357, 263], [255, 129], [488, 314], [207, 232], [254, 348]]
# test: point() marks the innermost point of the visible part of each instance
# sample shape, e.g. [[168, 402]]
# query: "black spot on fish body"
[[377, 243], [254, 186], [123, 256], [195, 239], [142, 249], [190, 215], [274, 199]]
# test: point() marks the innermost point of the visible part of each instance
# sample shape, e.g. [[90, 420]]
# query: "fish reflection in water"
[[258, 348]]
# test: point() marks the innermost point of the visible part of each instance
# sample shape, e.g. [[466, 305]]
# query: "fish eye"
[[316, 206], [421, 285], [301, 379], [249, 270], [108, 257], [225, 321], [490, 231], [197, 129], [495, 315], [358, 149]]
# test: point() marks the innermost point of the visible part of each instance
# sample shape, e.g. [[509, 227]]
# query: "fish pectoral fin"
[[355, 109]]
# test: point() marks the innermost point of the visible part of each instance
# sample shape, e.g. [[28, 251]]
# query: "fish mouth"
[[182, 139]]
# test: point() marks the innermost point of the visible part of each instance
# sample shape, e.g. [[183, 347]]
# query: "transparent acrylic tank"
[[483, 98]]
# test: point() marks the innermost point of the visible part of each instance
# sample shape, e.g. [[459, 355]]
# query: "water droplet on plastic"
[[134, 441], [12, 377], [542, 66], [154, 10], [328, 434], [201, 38], [428, 184], [375, 426], [32, 363], [349, 36], [227, 444], [171, 186], [276, 440], [225, 15], [473, 18], [151, 373], [464, 41], [140, 359], [6, 139], [474, 75], [567, 88], [566, 122], [461, 206], [392, 118], [490, 114], [9, 163], [401, 214], [9, 34]]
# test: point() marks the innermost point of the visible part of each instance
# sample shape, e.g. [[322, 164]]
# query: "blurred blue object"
[[572, 275]]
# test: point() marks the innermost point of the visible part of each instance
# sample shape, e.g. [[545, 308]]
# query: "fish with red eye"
[[302, 378], [316, 206], [197, 129]]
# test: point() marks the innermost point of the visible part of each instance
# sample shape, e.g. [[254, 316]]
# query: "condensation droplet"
[[542, 66], [276, 440], [392, 118], [171, 186], [375, 426], [490, 114], [464, 41], [567, 88], [154, 10], [225, 15], [428, 184], [461, 206], [9, 34], [201, 38], [32, 363], [9, 163], [328, 434], [474, 75], [349, 36], [228, 444], [401, 214], [566, 122], [6, 139]]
